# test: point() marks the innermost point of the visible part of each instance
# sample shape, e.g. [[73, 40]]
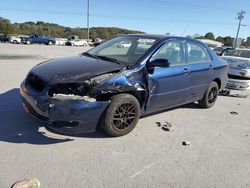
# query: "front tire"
[[210, 96], [121, 116]]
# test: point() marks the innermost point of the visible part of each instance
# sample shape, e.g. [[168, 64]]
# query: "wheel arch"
[[139, 95], [218, 81]]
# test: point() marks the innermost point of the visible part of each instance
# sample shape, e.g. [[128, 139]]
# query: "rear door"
[[200, 64], [168, 86]]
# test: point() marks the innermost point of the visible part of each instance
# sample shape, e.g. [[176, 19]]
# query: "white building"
[[211, 43]]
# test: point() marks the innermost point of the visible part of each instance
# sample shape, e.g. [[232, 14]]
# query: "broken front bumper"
[[64, 114], [237, 84]]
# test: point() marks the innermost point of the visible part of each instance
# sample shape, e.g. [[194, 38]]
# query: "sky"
[[177, 17]]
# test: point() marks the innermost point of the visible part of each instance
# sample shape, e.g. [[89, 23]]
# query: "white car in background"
[[15, 40], [76, 43], [211, 43], [124, 44], [239, 68], [60, 41]]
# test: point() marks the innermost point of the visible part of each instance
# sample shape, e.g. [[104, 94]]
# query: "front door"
[[168, 87]]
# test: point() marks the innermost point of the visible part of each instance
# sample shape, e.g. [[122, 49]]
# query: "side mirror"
[[158, 63]]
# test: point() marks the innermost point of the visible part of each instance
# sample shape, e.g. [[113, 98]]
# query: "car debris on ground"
[[234, 113], [27, 183], [186, 143], [227, 93], [166, 126]]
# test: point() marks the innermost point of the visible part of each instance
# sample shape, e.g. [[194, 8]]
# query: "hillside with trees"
[[58, 31]]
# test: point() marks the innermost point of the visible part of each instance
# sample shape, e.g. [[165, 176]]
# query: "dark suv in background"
[[4, 38]]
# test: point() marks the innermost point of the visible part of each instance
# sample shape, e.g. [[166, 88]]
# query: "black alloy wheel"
[[124, 116], [121, 116], [210, 96]]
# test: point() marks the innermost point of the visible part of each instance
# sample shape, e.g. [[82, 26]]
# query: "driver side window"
[[172, 51]]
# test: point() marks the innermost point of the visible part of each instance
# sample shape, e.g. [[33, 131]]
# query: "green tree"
[[247, 42], [220, 39], [209, 35], [228, 41], [6, 27]]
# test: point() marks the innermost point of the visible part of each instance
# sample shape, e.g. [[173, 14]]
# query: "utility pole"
[[240, 17], [88, 20]]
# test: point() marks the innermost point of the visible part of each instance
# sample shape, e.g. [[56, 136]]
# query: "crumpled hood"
[[237, 62], [71, 69], [238, 66]]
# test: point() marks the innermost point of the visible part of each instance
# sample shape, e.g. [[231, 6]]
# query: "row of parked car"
[[72, 40], [27, 39]]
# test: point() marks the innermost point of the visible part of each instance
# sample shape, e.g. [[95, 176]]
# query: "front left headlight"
[[98, 79]]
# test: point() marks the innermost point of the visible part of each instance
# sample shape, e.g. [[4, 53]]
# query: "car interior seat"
[[195, 56]]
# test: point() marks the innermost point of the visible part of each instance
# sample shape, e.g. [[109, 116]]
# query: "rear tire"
[[28, 42], [121, 116], [210, 96]]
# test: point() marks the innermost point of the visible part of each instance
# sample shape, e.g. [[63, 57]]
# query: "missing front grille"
[[35, 82]]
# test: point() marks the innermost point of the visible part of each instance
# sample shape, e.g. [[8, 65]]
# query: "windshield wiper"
[[109, 59], [90, 55], [102, 57]]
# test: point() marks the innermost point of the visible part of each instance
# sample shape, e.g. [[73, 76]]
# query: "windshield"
[[238, 53], [125, 50]]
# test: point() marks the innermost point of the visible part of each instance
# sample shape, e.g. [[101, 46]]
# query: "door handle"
[[186, 71], [210, 67]]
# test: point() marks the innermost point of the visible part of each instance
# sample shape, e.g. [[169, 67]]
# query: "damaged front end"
[[238, 74], [74, 114], [76, 107]]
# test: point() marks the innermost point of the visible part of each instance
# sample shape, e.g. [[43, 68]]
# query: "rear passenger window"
[[197, 54]]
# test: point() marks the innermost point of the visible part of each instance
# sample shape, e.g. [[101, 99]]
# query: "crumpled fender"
[[125, 82]]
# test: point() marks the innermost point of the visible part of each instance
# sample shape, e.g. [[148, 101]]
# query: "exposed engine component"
[[67, 89], [64, 97], [80, 89]]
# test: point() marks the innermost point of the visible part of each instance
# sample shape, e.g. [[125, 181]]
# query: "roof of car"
[[152, 36]]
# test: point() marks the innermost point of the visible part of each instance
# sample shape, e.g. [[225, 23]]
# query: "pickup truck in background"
[[38, 39]]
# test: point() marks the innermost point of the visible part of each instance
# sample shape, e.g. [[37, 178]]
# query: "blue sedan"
[[112, 87]]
